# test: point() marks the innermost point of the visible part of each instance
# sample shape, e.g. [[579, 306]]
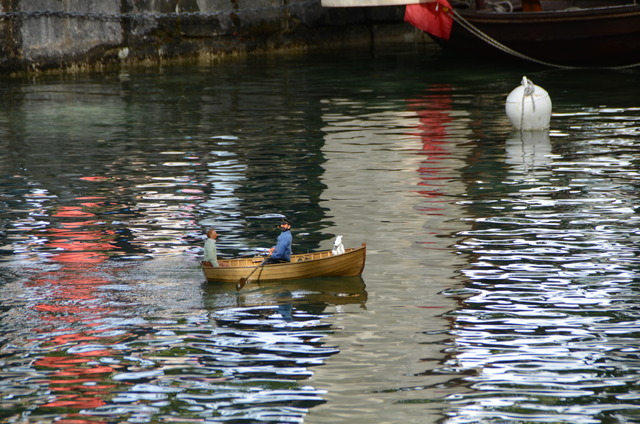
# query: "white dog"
[[338, 248]]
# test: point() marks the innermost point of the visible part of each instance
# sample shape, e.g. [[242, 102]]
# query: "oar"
[[243, 280]]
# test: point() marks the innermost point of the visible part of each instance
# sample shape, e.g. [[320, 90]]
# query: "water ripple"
[[548, 328], [248, 365]]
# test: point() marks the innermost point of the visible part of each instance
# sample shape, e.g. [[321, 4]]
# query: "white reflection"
[[528, 150], [392, 178], [370, 171]]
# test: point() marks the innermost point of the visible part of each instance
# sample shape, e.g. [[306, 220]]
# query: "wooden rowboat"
[[306, 265]]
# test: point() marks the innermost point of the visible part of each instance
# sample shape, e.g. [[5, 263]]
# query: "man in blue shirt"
[[281, 252]]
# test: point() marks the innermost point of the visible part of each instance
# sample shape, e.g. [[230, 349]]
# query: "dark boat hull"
[[599, 36]]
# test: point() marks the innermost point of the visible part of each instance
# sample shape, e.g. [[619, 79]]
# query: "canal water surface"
[[501, 283]]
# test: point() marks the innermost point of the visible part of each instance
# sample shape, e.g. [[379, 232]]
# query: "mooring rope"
[[495, 43], [529, 90]]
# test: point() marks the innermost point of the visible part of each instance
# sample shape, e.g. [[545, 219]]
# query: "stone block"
[[60, 33], [55, 31]]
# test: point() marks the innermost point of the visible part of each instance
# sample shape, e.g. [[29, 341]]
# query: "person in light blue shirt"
[[210, 252], [281, 252]]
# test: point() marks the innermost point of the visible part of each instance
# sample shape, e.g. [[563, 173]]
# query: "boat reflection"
[[330, 291]]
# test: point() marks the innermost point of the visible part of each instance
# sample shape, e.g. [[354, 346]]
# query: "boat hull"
[[598, 36], [309, 265]]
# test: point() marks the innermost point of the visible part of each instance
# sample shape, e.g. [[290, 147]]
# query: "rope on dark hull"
[[495, 43]]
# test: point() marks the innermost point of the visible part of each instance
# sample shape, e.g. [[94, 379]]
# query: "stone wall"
[[45, 34]]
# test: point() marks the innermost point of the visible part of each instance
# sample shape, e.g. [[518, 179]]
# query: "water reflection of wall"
[[164, 159], [390, 172], [392, 177], [100, 178], [369, 171], [109, 185], [443, 127]]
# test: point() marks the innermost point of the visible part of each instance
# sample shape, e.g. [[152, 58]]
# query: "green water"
[[500, 283]]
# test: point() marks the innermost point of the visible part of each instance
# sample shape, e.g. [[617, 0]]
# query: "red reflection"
[[75, 401], [70, 211], [434, 112], [76, 377], [78, 421], [94, 178]]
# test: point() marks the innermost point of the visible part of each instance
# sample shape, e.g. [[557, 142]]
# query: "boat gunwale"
[[602, 36], [551, 16], [300, 255]]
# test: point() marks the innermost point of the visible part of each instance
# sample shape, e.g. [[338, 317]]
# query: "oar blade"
[[244, 280], [240, 284]]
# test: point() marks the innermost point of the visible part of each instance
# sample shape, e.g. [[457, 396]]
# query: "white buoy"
[[529, 107]]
